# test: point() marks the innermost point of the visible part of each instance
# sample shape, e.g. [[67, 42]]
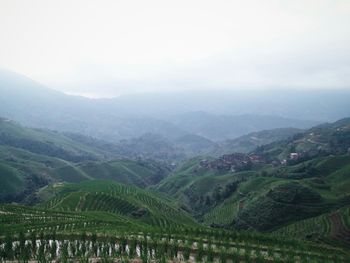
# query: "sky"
[[107, 48]]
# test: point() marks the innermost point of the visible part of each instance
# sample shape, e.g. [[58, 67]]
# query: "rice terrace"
[[180, 131]]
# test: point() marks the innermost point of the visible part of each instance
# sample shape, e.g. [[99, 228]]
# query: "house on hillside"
[[256, 158], [228, 162], [294, 156]]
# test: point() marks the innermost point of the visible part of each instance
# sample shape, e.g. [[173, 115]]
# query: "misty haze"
[[174, 131]]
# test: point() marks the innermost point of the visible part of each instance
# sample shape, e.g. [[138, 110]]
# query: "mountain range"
[[34, 105], [100, 175]]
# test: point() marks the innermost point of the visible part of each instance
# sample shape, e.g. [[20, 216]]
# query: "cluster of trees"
[[219, 194], [26, 196]]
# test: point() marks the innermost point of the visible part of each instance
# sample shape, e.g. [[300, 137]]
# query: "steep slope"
[[331, 138], [261, 198], [270, 187], [23, 173], [33, 158], [108, 196], [47, 143], [331, 228], [249, 142]]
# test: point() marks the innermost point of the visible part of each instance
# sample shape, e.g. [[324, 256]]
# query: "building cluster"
[[232, 162]]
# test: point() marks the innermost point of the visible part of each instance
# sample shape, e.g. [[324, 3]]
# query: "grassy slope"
[[128, 201], [249, 142], [260, 196], [17, 165], [323, 228], [12, 181], [33, 158], [46, 142]]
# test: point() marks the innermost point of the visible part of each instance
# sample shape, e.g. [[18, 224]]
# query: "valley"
[[286, 199], [84, 185], [174, 131]]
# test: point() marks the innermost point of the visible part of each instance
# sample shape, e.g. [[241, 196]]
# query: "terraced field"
[[15, 218], [119, 199], [80, 236], [328, 228], [263, 199], [267, 212], [146, 226]]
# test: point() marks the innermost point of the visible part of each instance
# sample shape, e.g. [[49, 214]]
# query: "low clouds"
[[109, 48]]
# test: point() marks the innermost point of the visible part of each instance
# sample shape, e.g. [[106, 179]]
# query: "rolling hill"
[[232, 126], [322, 140], [33, 158], [270, 187], [128, 201], [248, 143]]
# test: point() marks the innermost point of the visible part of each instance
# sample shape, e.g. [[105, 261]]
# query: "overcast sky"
[[107, 48]]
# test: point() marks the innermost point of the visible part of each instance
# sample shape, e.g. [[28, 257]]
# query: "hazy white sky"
[[106, 48]]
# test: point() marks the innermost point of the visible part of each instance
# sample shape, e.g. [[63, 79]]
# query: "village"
[[232, 162], [241, 162]]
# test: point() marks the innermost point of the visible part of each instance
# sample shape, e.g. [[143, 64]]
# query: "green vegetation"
[[249, 142], [11, 180], [119, 199], [44, 142], [87, 235], [264, 198], [331, 228], [31, 159], [236, 208]]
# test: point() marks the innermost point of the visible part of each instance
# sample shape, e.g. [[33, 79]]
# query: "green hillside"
[[277, 184], [31, 159], [23, 173], [46, 234], [108, 196], [262, 198], [12, 181], [46, 142], [283, 202], [331, 228], [249, 142], [322, 140]]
